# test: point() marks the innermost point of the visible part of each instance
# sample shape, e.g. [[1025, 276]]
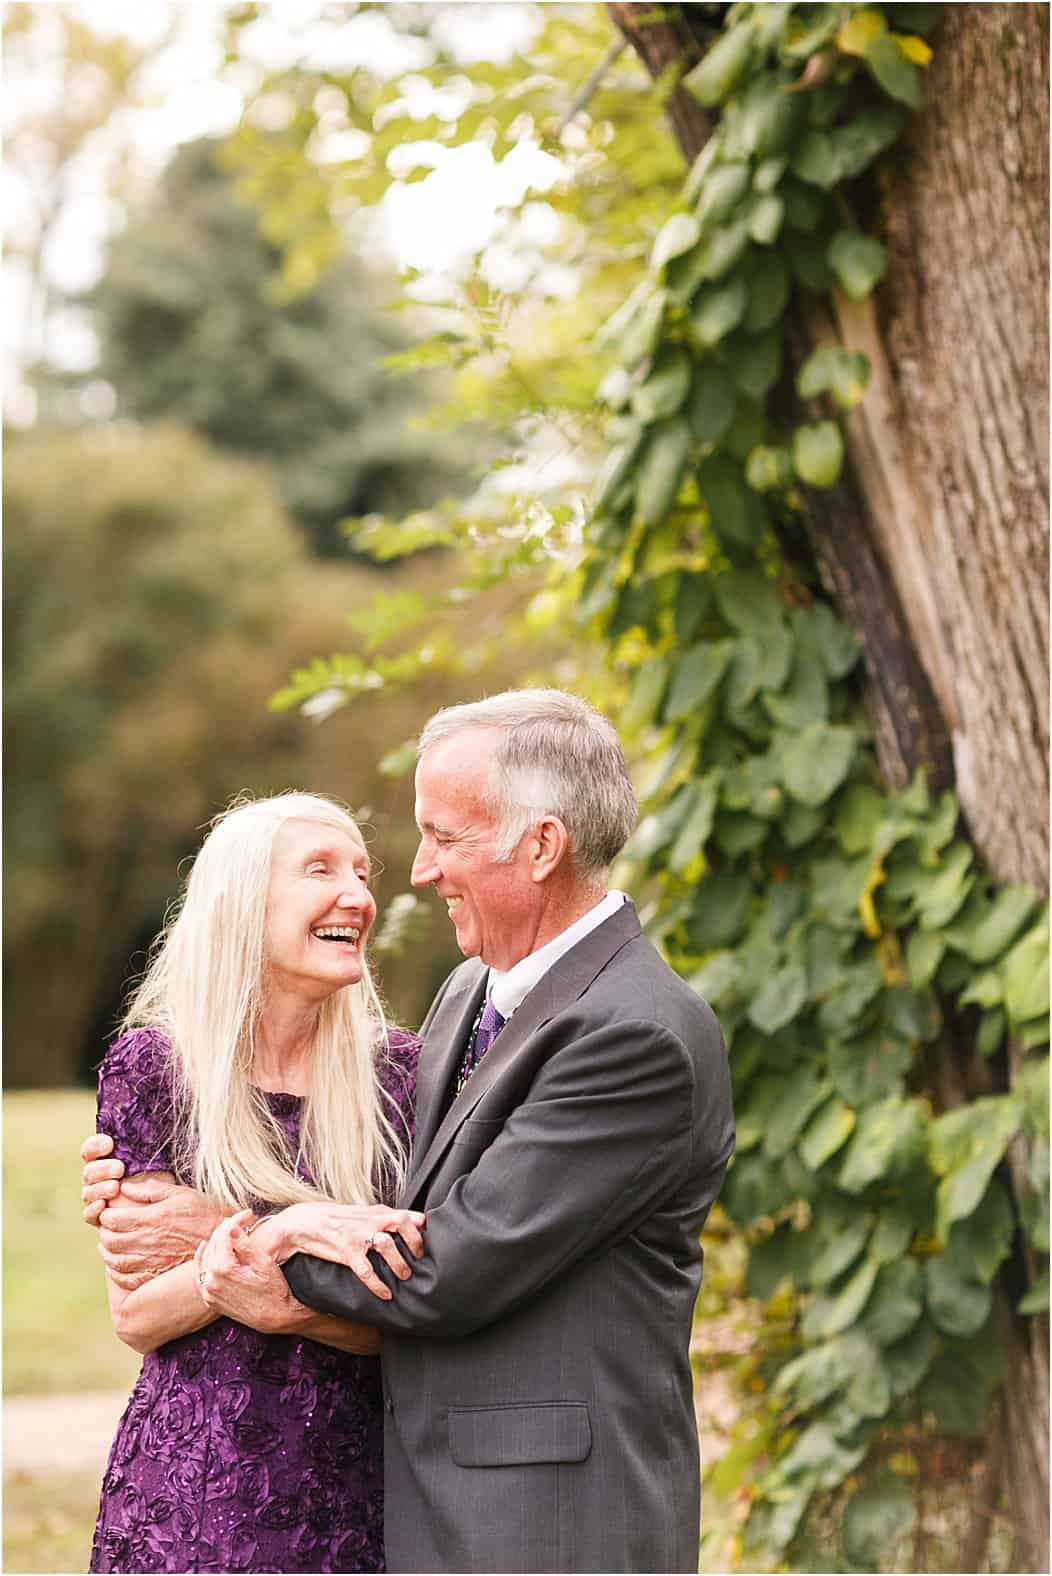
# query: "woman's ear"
[[549, 847]]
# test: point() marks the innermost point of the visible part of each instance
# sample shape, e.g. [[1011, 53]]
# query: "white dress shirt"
[[510, 988]]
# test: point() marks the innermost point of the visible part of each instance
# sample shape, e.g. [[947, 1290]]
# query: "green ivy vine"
[[833, 926], [841, 932]]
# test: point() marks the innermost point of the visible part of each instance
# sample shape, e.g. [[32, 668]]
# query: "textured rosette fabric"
[[238, 1451]]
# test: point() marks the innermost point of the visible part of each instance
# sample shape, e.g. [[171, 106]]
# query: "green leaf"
[[982, 1242], [958, 1305], [768, 173], [717, 310], [805, 206], [953, 1392], [816, 761], [881, 1512], [803, 701], [769, 116], [767, 279], [939, 893], [661, 469], [1025, 975], [828, 1131], [803, 1091], [842, 373], [749, 602], [809, 263], [818, 1453], [815, 161], [836, 644], [991, 1033], [828, 1313], [616, 467], [818, 453], [718, 980], [712, 401], [1036, 1299], [898, 76], [715, 77], [893, 1233], [1000, 924], [924, 952], [693, 599], [966, 1146], [721, 250], [757, 363], [897, 1302], [726, 497], [697, 826], [666, 386], [721, 910], [697, 675], [779, 999], [843, 1246], [765, 220], [769, 469], [858, 143], [647, 692], [641, 336], [858, 262], [869, 1393], [678, 234], [723, 189], [858, 814], [907, 1361], [888, 1142]]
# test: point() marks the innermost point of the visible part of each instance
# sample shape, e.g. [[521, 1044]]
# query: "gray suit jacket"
[[537, 1382]]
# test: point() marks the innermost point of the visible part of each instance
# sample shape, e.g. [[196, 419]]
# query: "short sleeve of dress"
[[398, 1076], [135, 1101]]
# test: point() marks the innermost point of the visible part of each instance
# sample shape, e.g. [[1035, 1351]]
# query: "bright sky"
[[437, 225]]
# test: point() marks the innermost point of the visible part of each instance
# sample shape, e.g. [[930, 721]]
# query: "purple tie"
[[490, 1025]]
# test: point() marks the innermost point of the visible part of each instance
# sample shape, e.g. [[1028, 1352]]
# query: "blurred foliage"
[[155, 593], [195, 328], [845, 935]]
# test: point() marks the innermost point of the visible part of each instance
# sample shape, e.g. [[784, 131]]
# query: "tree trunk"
[[934, 543]]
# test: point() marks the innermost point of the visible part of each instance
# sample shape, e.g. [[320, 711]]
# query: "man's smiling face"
[[495, 908]]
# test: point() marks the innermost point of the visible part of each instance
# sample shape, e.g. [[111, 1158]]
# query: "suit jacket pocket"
[[508, 1436]]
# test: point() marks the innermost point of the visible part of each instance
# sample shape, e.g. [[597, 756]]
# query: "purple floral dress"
[[238, 1451]]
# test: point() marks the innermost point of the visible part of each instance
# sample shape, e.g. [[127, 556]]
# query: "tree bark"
[[934, 543]]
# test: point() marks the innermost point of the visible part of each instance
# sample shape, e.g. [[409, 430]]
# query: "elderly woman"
[[254, 1066]]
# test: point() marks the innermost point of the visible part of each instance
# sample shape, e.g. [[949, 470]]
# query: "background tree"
[[195, 326], [886, 1004], [155, 595]]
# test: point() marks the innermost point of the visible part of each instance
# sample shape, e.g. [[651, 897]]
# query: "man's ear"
[[549, 847]]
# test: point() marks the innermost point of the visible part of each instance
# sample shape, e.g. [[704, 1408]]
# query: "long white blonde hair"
[[205, 987]]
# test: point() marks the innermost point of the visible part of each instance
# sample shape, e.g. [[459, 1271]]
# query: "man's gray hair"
[[558, 756]]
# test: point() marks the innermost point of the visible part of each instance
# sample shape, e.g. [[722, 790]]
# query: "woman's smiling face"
[[319, 909]]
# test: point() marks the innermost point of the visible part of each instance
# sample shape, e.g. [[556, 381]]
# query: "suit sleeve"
[[606, 1133]]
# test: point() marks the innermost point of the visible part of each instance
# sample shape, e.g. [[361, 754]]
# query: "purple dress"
[[238, 1451]]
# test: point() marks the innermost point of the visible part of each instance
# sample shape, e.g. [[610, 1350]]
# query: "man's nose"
[[424, 869]]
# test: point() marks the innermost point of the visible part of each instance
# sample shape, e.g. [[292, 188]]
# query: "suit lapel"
[[568, 979], [444, 1043]]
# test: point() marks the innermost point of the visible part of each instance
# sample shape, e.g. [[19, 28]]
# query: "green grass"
[[57, 1332], [49, 1518]]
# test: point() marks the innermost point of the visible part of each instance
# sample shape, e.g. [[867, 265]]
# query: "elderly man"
[[573, 1127]]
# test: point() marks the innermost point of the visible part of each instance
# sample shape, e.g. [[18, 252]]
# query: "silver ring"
[[368, 1244], [200, 1277]]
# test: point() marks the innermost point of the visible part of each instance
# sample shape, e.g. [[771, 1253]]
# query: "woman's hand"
[[347, 1233], [241, 1279]]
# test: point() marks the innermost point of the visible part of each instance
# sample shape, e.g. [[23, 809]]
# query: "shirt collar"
[[510, 988]]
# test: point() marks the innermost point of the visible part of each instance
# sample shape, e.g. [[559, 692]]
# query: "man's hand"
[[148, 1223], [241, 1279]]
